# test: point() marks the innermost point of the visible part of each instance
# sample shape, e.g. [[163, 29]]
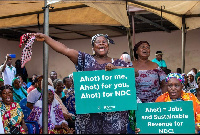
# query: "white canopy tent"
[[184, 14], [31, 12]]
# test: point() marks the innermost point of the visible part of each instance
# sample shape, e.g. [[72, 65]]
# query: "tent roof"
[[76, 20], [173, 11], [27, 13]]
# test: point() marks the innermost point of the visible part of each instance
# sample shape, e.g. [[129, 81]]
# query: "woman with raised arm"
[[94, 123]]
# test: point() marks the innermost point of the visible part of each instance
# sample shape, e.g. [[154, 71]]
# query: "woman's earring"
[[93, 52]]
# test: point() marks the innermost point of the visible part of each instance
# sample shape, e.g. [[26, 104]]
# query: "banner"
[[105, 91], [166, 118]]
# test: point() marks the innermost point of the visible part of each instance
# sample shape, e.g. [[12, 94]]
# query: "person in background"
[[11, 112], [192, 83], [8, 71], [175, 82], [58, 86], [197, 79], [56, 121], [19, 92], [194, 70], [126, 57], [22, 82], [178, 70], [186, 84], [53, 75], [1, 84], [93, 123], [35, 94], [161, 63], [31, 81], [21, 71], [69, 100], [67, 81]]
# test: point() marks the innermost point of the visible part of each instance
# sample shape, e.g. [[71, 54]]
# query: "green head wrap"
[[1, 80], [13, 81]]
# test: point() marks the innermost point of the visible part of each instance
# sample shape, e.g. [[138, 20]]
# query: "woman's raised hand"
[[39, 36]]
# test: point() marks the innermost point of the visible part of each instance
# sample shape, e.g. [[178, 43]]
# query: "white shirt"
[[33, 96], [8, 74]]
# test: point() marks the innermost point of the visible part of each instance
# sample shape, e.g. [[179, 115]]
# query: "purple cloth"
[[148, 84], [100, 123]]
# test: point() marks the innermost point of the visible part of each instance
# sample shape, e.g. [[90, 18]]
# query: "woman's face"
[[174, 88], [17, 84], [20, 78], [50, 97], [101, 46], [59, 86], [68, 82], [7, 96], [186, 80], [38, 84], [190, 78], [143, 50]]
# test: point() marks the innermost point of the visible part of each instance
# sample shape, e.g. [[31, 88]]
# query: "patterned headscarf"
[[50, 88], [175, 75], [99, 35]]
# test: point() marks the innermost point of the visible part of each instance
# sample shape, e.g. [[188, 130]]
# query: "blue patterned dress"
[[100, 123]]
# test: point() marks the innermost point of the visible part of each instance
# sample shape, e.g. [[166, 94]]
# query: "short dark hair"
[[6, 87], [64, 79], [136, 47]]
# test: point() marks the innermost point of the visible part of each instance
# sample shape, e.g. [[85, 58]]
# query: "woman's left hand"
[[109, 67]]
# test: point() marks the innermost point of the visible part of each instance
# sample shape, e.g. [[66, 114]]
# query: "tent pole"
[[130, 42], [45, 72], [133, 34], [183, 43]]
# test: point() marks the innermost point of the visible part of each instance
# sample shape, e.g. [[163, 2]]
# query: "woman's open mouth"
[[8, 99], [173, 93], [101, 49]]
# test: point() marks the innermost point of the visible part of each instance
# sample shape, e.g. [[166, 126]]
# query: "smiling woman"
[[95, 123], [11, 112]]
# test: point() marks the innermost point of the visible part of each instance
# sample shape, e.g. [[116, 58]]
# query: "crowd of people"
[[153, 82]]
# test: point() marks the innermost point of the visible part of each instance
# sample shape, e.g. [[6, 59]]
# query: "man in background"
[[8, 71], [161, 63], [53, 75]]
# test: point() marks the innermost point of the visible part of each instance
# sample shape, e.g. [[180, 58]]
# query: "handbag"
[[14, 130]]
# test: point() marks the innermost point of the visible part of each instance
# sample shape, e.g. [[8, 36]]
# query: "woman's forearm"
[[58, 47], [55, 45]]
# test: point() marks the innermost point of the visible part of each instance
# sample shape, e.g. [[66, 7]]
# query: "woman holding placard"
[[95, 123], [175, 83]]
